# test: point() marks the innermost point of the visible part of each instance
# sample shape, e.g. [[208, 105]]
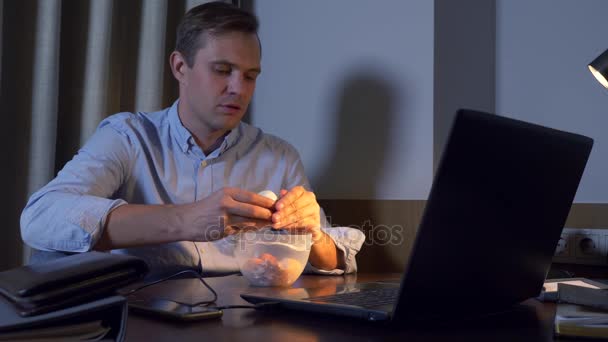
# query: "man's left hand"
[[297, 209]]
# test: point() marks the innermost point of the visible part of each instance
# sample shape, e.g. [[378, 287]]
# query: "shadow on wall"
[[365, 111], [347, 183]]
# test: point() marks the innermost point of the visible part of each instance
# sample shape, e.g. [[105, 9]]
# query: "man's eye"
[[251, 77], [223, 71]]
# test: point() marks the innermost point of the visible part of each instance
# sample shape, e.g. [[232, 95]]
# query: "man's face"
[[218, 87]]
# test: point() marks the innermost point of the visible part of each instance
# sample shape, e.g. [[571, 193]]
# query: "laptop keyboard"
[[363, 298]]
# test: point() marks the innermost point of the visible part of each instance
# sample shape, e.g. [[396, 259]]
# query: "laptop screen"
[[499, 201]]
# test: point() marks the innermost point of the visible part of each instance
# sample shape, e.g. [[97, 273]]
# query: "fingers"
[[292, 203], [230, 230], [248, 223], [248, 210], [230, 210], [247, 204], [308, 214], [297, 208], [288, 198], [240, 224], [245, 196], [233, 230]]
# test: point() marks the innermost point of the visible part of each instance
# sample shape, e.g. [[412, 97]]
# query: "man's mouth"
[[230, 108]]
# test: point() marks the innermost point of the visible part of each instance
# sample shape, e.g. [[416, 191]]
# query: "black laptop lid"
[[499, 200]]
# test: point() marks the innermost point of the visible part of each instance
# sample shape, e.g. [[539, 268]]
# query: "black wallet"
[[67, 281]]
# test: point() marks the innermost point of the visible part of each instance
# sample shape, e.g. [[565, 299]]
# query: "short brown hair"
[[213, 18]]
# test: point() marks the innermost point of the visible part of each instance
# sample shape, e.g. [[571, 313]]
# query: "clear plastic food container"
[[272, 258]]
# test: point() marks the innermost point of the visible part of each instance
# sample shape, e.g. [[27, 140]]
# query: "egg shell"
[[268, 194]]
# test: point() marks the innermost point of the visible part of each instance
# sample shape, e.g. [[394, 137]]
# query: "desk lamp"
[[599, 68]]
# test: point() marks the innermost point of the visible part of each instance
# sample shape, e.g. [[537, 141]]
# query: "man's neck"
[[211, 141], [208, 140]]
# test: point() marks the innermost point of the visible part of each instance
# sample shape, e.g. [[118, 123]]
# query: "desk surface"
[[531, 322]]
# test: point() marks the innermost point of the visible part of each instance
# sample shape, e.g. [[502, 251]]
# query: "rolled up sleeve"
[[69, 213], [349, 241]]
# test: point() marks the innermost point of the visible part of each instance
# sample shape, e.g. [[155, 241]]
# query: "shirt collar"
[[181, 134], [232, 137], [185, 140]]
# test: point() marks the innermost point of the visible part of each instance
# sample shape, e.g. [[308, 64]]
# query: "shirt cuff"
[[349, 241]]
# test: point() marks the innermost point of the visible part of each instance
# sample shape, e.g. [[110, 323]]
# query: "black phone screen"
[[170, 309]]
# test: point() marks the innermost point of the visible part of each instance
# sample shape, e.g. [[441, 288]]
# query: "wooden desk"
[[531, 322]]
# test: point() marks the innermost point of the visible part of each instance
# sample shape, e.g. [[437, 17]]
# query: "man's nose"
[[236, 84]]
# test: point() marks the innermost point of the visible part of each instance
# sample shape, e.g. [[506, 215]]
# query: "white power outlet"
[[563, 246], [582, 246]]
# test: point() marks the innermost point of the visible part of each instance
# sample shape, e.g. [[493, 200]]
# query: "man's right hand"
[[222, 213], [225, 212]]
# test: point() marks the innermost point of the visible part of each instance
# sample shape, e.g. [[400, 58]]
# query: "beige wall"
[[389, 252]]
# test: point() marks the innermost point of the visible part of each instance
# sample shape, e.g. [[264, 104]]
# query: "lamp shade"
[[599, 68]]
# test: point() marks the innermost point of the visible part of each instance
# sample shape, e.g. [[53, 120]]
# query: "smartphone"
[[169, 309]]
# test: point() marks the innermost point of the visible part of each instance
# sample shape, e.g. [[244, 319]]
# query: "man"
[[170, 185]]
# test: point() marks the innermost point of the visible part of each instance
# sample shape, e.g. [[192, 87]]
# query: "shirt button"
[[203, 163]]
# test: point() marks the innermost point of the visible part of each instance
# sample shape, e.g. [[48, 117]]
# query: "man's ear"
[[178, 66]]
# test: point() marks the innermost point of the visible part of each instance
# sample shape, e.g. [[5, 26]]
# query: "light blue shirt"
[[151, 158]]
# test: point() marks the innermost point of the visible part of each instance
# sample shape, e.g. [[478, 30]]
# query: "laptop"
[[497, 206]]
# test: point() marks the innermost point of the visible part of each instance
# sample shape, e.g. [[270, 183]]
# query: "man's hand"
[[226, 212], [297, 209]]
